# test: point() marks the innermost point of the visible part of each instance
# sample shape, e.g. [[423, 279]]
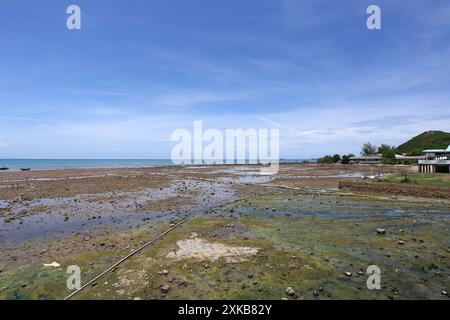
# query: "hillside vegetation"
[[426, 140]]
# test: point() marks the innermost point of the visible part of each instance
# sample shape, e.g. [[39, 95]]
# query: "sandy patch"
[[200, 249], [131, 281]]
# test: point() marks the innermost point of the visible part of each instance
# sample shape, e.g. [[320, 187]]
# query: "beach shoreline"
[[92, 217]]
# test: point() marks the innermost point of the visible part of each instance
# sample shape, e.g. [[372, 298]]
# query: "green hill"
[[426, 140]]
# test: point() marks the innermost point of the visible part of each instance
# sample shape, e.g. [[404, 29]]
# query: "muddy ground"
[[250, 236]]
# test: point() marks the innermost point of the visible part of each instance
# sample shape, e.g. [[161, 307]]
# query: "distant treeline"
[[368, 149], [413, 147]]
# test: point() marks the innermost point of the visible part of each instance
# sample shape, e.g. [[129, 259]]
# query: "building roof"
[[437, 150], [372, 157], [402, 157]]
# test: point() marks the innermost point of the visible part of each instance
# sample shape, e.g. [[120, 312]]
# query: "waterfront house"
[[435, 161]]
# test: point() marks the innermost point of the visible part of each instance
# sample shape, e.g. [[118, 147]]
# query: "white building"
[[435, 161]]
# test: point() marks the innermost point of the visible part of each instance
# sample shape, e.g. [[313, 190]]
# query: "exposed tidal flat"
[[250, 237]]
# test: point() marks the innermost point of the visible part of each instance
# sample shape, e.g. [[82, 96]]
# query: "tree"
[[326, 159], [336, 158], [368, 149], [346, 158], [385, 148], [388, 153]]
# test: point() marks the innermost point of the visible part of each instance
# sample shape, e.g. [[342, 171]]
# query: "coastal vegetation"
[[420, 179], [413, 147]]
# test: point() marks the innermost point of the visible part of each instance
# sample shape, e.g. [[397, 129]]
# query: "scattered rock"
[[348, 274], [165, 288], [444, 293], [163, 272], [400, 242], [290, 291], [381, 231]]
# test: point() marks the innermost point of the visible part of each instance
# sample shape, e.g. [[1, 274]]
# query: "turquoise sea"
[[51, 164]]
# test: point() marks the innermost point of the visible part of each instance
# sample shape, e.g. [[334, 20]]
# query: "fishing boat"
[[3, 168], [25, 169]]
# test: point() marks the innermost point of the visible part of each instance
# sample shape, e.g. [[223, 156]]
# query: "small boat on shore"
[[3, 168], [25, 169]]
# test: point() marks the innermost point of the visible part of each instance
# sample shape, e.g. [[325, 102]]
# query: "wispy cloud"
[[310, 68], [3, 143], [192, 97]]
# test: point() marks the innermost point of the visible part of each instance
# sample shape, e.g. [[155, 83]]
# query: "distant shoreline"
[[63, 164]]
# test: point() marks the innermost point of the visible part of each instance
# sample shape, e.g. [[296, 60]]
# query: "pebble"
[[165, 288], [348, 274], [401, 242], [164, 272], [290, 291], [444, 293], [381, 231]]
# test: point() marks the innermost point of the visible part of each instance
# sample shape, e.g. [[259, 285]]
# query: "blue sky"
[[140, 69]]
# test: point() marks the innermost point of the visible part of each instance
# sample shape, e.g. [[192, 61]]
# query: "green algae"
[[308, 252]]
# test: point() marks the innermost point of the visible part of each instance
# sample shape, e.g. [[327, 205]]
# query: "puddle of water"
[[4, 204], [246, 179], [119, 212]]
